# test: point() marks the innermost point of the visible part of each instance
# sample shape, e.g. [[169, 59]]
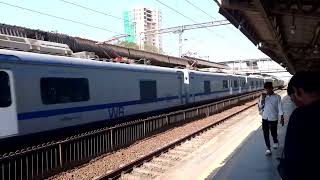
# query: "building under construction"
[[139, 20]]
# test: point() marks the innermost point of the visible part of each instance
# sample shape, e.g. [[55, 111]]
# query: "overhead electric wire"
[[219, 35], [177, 11], [205, 12], [186, 16], [200, 9], [93, 10], [61, 18]]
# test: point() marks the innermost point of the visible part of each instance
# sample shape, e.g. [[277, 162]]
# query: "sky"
[[219, 43]]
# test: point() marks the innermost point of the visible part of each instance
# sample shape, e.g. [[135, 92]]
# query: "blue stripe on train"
[[54, 112]]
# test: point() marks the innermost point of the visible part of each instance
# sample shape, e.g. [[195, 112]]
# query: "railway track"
[[48, 159], [160, 161]]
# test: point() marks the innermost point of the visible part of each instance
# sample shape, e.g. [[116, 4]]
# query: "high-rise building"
[[139, 20]]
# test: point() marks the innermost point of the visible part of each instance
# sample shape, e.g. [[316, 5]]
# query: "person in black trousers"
[[270, 108], [301, 154]]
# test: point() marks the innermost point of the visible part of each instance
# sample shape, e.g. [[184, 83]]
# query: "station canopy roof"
[[285, 30]]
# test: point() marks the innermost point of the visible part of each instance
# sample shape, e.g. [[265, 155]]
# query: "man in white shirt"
[[270, 108]]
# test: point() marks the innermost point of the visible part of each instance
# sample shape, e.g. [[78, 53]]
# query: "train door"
[[230, 85], [185, 82], [240, 84], [180, 88], [246, 84], [8, 113], [192, 88]]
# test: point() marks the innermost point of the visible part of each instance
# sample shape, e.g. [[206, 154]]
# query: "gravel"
[[106, 163]]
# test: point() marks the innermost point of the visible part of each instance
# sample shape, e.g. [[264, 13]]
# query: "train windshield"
[[5, 94]]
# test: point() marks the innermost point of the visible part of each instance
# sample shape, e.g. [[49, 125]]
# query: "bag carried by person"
[[261, 103]]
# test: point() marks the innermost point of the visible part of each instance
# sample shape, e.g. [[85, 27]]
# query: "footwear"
[[268, 152], [276, 146]]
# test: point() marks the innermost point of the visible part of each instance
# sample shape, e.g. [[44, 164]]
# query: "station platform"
[[249, 161], [238, 153]]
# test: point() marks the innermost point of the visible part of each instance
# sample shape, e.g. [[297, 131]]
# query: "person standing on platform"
[[301, 155], [270, 108]]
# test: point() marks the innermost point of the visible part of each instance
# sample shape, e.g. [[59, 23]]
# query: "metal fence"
[[47, 159]]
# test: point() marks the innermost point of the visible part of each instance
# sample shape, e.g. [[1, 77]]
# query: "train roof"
[[210, 73], [45, 59]]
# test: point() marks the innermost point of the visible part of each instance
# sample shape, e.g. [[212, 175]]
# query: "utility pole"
[[233, 68], [180, 44], [180, 29], [140, 39], [179, 32]]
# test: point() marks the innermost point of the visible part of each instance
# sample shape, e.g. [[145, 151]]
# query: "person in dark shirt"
[[301, 154]]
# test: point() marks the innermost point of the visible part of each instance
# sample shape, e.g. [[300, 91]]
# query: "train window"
[[257, 83], [64, 90], [235, 83], [148, 91], [252, 83], [5, 94], [207, 88], [243, 83], [225, 84]]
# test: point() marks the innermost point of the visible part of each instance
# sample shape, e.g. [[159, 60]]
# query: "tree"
[[151, 48], [128, 44]]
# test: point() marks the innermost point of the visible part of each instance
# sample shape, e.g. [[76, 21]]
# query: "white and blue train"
[[40, 93]]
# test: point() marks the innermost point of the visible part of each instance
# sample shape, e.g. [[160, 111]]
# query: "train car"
[[256, 82], [41, 93], [48, 92]]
